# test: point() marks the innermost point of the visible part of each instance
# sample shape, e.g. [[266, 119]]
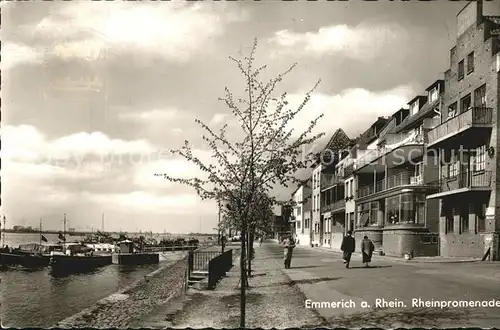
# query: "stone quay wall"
[[142, 297]]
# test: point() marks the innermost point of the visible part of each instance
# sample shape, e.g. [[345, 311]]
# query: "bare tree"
[[267, 153]]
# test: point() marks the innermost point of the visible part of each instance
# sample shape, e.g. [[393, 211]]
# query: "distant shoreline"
[[82, 233]]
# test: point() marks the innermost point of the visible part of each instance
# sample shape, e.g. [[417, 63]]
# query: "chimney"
[[479, 12]]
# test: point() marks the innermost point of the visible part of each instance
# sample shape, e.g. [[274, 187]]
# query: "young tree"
[[267, 153]]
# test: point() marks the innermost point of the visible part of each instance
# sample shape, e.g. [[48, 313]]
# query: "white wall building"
[[317, 227], [302, 196]]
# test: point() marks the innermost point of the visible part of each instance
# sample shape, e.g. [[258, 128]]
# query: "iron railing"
[[348, 170], [218, 266], [333, 206], [465, 179], [330, 180], [198, 260], [393, 181], [471, 117]]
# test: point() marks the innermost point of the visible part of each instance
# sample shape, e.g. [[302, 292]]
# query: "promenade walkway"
[[277, 297], [271, 301]]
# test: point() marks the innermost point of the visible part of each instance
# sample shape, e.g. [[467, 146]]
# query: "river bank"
[[130, 303]]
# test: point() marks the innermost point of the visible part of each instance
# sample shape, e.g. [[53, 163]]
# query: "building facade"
[[466, 140], [424, 180], [317, 235], [301, 217]]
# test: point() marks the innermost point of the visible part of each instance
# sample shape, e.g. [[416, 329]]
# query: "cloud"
[[173, 30], [150, 116], [218, 118], [125, 190], [25, 143], [353, 110], [14, 54], [362, 42]]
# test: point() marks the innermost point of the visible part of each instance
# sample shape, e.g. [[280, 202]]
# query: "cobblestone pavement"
[[272, 300], [322, 277]]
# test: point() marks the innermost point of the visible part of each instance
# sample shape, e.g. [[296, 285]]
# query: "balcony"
[[474, 117], [348, 170], [394, 141], [463, 182], [379, 158], [329, 180], [394, 181], [338, 205]]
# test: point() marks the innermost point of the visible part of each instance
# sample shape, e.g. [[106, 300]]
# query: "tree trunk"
[[251, 250], [243, 274]]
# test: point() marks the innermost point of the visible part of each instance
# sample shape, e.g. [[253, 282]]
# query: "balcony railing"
[[466, 179], [474, 116], [348, 170], [396, 140], [392, 142], [333, 206], [398, 180], [369, 157], [329, 180]]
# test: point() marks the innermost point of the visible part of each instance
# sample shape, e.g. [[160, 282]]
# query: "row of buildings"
[[424, 180]]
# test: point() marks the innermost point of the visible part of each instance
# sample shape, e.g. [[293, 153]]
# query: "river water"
[[35, 298]]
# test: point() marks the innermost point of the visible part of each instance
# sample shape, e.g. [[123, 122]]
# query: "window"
[[392, 210], [452, 110], [447, 213], [480, 217], [414, 108], [413, 208], [464, 218], [480, 97], [479, 159], [453, 165], [461, 70], [470, 62], [433, 95], [465, 104], [450, 223], [351, 189], [374, 207]]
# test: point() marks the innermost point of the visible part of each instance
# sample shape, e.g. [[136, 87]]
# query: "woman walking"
[[367, 249]]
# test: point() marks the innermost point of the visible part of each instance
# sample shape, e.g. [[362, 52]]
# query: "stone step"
[[199, 273]]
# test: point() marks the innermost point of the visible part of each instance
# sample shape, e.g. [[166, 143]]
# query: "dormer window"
[[414, 108], [452, 110], [433, 95]]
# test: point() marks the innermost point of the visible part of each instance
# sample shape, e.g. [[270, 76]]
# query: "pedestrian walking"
[[348, 246], [367, 249], [261, 240], [289, 246]]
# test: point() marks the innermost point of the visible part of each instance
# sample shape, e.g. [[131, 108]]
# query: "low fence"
[[218, 266], [175, 248], [198, 260]]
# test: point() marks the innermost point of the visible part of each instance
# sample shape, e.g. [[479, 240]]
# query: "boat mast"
[[64, 232], [40, 231], [4, 228]]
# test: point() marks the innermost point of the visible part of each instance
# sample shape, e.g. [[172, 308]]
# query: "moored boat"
[[78, 258], [78, 263], [32, 255], [129, 255]]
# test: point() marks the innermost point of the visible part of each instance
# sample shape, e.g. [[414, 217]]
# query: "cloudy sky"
[[95, 94]]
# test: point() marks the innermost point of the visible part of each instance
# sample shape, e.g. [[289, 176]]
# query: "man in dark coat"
[[367, 249], [348, 246], [289, 244]]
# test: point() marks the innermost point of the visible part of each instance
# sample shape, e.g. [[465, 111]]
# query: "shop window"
[[480, 217]]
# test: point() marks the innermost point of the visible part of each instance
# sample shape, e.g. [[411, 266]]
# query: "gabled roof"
[[338, 141]]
